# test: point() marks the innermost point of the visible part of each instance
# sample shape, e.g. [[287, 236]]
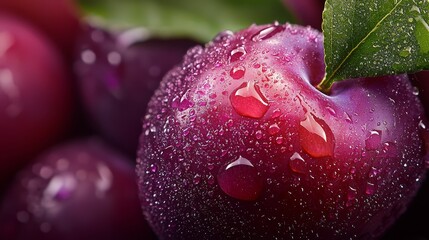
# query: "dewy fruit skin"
[[238, 143]]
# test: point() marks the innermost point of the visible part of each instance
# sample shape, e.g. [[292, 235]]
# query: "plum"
[[35, 99], [77, 190], [239, 143], [58, 20], [117, 75]]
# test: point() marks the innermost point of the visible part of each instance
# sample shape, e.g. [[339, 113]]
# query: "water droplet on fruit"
[[348, 118], [422, 125], [374, 140], [258, 134], [416, 91], [237, 72], [316, 137], [373, 172], [276, 113], [331, 111], [297, 163], [248, 101], [184, 103], [240, 180], [279, 140], [237, 53], [153, 168], [197, 179], [273, 129], [389, 149], [351, 196], [267, 33], [370, 188]]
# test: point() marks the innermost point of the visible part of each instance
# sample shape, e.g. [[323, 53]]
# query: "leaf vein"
[[331, 77]]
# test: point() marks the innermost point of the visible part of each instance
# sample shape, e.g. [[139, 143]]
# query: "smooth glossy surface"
[[35, 97], [58, 20], [79, 190]]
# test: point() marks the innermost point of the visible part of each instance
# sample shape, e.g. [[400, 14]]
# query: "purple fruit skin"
[[78, 190], [307, 12], [192, 134], [115, 92]]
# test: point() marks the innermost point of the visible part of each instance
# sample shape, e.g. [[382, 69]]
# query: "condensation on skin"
[[301, 189]]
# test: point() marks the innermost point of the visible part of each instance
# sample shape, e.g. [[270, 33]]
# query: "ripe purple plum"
[[35, 99], [78, 190], [118, 74], [239, 143]]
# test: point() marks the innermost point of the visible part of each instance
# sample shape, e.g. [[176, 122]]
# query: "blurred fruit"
[[35, 98], [238, 143], [57, 19], [308, 12], [118, 74], [79, 190]]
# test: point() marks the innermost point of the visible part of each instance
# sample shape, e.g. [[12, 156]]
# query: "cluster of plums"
[[231, 139]]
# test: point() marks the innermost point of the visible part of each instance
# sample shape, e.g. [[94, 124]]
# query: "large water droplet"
[[374, 140], [267, 33], [248, 101], [237, 72], [240, 180], [273, 129], [237, 53], [316, 137], [297, 163]]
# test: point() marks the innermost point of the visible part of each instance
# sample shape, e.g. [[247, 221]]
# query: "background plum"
[[35, 99], [77, 190], [117, 75]]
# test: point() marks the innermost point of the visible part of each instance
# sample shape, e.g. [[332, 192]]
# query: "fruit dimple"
[[241, 180], [316, 137], [248, 101]]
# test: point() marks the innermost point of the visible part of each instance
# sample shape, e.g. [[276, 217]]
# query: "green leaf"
[[201, 20], [365, 38]]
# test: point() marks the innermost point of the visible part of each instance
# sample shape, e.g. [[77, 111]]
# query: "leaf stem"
[[325, 85]]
